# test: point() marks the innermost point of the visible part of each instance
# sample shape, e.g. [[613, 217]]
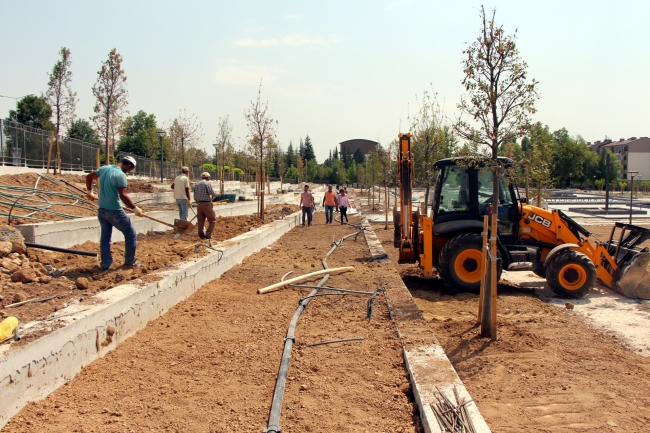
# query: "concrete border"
[[33, 372], [77, 231], [427, 365]]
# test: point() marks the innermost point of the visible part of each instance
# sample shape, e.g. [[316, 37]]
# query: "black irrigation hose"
[[273, 425], [61, 250]]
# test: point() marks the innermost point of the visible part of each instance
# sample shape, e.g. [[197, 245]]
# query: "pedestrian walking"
[[203, 196], [344, 204], [329, 200], [112, 197], [181, 187], [307, 205], [337, 198]]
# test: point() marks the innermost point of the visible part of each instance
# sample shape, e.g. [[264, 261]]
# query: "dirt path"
[[549, 371], [210, 363]]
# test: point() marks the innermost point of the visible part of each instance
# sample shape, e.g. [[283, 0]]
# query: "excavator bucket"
[[631, 277]]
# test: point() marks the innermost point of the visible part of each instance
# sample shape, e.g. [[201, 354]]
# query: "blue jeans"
[[182, 208], [118, 219], [329, 213]]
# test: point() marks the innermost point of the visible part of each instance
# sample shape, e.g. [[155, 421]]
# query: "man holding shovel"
[[112, 193], [203, 196]]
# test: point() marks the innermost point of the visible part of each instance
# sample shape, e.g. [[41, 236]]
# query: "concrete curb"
[[427, 365], [67, 233], [31, 373]]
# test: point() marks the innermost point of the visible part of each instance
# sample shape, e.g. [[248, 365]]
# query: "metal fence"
[[24, 146], [151, 168]]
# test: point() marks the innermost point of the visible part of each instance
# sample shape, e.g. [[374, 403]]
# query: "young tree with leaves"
[[110, 94], [427, 141], [261, 130], [224, 136], [499, 100], [61, 97], [187, 132]]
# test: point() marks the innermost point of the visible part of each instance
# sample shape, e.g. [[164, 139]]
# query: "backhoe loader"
[[556, 247]]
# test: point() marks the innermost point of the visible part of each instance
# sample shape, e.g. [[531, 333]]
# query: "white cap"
[[129, 159], [205, 174]]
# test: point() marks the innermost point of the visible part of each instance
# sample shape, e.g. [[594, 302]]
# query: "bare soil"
[[210, 363], [52, 204], [156, 250], [549, 371]]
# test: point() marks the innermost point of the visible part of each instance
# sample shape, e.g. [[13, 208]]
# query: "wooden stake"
[[278, 286], [49, 153], [484, 266]]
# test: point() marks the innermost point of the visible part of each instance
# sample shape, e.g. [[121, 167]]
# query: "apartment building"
[[633, 154]]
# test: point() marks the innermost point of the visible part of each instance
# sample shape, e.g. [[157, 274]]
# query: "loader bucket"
[[632, 278]]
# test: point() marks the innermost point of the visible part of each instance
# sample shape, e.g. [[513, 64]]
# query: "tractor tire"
[[459, 263], [571, 274]]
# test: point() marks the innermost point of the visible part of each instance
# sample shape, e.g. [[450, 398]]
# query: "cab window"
[[454, 191]]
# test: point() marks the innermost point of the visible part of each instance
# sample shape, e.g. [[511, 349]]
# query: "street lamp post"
[[216, 161], [161, 135], [632, 174]]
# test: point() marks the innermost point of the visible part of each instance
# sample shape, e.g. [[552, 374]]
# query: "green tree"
[[352, 172], [292, 173], [359, 157], [33, 111], [291, 157], [312, 170], [623, 184], [82, 130], [499, 100], [138, 135], [599, 183], [61, 97], [110, 94], [309, 154]]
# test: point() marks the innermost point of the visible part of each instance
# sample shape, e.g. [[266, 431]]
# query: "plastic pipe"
[[61, 250]]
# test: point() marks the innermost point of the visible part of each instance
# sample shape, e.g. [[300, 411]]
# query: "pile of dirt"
[[76, 278], [548, 371], [210, 363]]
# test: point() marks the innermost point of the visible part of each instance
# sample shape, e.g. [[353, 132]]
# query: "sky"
[[335, 70]]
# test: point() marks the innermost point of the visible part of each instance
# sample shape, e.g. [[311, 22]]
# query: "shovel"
[[180, 227], [179, 233]]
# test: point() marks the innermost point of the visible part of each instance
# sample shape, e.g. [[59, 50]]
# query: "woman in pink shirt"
[[344, 204]]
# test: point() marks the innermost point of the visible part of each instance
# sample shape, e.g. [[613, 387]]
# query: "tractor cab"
[[463, 195]]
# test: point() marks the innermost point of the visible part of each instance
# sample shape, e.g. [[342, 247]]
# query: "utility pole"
[[607, 182]]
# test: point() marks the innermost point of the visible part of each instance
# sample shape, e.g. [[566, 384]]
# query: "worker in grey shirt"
[[203, 196]]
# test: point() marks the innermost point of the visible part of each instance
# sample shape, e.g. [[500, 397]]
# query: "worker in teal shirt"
[[112, 196]]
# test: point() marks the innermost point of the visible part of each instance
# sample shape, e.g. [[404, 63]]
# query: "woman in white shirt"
[[344, 204]]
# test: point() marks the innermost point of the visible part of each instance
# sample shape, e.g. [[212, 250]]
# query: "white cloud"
[[248, 42], [303, 40], [291, 40], [237, 73]]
